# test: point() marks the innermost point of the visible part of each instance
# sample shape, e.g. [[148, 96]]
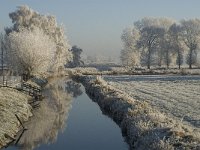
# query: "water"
[[63, 122]]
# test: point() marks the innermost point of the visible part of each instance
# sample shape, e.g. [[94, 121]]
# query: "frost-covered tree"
[[30, 51], [164, 51], [156, 22], [2, 52], [124, 57], [25, 17], [174, 33], [160, 41], [198, 59], [76, 60], [191, 35], [152, 39], [149, 41], [130, 55]]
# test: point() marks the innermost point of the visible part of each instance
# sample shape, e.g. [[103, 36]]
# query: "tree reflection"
[[73, 88], [51, 116]]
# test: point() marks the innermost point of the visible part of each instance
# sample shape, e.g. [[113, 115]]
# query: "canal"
[[68, 119]]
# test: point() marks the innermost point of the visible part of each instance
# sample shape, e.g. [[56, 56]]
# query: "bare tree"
[[191, 35], [149, 40], [152, 39], [166, 51], [164, 47], [2, 52], [174, 33]]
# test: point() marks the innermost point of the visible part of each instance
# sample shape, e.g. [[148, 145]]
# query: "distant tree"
[[76, 60], [164, 47], [30, 52], [155, 22], [130, 55], [91, 59], [124, 57], [198, 59], [174, 33], [166, 50], [25, 17], [161, 41], [191, 58], [149, 41], [2, 51], [191, 35], [152, 39]]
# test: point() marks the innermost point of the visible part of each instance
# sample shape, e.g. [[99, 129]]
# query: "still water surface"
[[70, 122]]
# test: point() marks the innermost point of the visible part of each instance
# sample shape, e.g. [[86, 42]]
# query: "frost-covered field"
[[177, 96]]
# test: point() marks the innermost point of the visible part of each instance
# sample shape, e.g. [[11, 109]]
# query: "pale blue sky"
[[96, 25]]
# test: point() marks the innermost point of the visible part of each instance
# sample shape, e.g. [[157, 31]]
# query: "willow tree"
[[30, 52], [25, 17]]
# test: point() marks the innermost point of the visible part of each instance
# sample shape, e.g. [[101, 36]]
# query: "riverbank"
[[16, 108], [12, 103], [143, 126]]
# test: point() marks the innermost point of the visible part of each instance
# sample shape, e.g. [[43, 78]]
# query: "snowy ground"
[[177, 96]]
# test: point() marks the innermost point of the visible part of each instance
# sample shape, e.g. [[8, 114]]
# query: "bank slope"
[[12, 103]]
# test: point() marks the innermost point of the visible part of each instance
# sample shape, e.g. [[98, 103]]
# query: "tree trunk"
[[167, 57], [190, 66], [148, 66], [149, 59], [179, 61], [160, 58], [190, 59]]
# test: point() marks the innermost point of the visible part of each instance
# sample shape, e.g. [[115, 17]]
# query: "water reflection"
[[73, 88], [86, 128], [51, 116]]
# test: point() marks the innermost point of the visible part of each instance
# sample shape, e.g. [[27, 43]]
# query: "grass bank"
[[15, 108], [12, 103]]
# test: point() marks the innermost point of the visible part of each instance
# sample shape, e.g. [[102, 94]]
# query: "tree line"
[[161, 42]]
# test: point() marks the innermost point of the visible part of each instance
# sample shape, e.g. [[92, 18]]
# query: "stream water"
[[68, 119]]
